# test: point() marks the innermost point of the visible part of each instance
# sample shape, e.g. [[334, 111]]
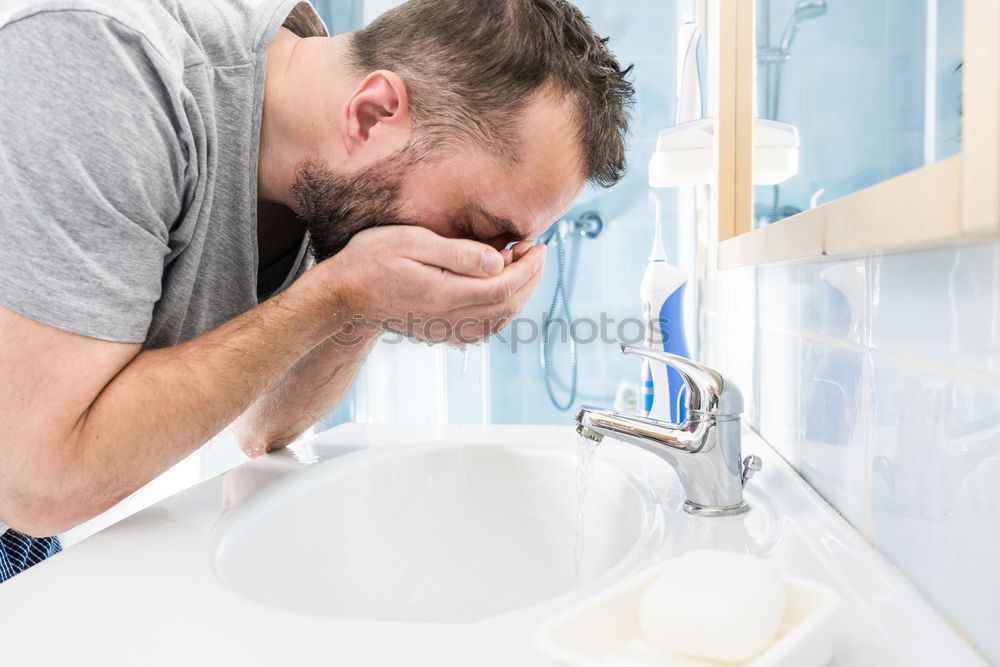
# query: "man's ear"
[[378, 109]]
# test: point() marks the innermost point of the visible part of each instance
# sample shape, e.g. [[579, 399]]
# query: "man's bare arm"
[[64, 461], [312, 388], [85, 422]]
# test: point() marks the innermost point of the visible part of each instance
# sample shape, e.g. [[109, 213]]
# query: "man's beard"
[[336, 207]]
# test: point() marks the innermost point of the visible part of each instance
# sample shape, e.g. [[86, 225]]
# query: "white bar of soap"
[[719, 605]]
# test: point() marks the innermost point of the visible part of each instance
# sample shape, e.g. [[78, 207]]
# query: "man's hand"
[[410, 280], [85, 422], [462, 273]]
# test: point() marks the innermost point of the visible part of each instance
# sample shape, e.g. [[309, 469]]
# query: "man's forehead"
[[523, 207], [548, 176]]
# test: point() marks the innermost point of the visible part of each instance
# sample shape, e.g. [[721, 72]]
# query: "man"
[[166, 166]]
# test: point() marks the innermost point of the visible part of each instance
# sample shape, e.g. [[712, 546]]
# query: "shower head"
[[804, 10], [809, 9]]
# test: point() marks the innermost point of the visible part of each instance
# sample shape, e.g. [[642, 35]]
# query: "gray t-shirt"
[[129, 134]]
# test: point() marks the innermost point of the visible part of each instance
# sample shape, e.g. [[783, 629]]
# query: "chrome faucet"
[[704, 450]]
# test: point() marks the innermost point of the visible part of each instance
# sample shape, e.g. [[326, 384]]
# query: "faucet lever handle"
[[708, 391], [751, 464]]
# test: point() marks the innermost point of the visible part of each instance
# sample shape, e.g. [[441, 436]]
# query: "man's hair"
[[471, 67]]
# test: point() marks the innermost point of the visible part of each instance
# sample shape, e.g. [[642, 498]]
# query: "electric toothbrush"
[[662, 294]]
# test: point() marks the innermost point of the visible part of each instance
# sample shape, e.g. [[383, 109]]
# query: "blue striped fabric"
[[18, 552]]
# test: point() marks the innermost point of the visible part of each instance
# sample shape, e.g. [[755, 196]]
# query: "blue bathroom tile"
[[505, 404], [593, 383], [949, 79], [625, 245], [653, 79], [846, 92], [847, 25], [904, 98], [950, 31], [905, 152], [342, 15], [518, 391], [840, 166], [935, 500], [372, 9], [585, 262], [907, 24], [645, 28]]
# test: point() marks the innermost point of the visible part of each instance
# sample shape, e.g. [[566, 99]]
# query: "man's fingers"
[[457, 292], [502, 288], [462, 256], [518, 302], [482, 321], [474, 323], [478, 311], [520, 250], [516, 251]]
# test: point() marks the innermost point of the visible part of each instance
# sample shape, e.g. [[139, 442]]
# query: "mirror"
[[873, 89]]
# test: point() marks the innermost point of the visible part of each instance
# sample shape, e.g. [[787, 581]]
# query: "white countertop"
[[143, 591]]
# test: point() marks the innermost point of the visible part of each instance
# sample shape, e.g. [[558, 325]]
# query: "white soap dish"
[[603, 631]]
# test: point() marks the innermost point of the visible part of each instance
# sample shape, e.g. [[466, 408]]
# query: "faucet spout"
[[704, 451]]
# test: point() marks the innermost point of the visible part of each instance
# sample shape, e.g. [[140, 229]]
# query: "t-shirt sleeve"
[[91, 173]]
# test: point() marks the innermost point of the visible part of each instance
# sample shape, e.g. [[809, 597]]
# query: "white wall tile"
[[778, 389], [941, 305], [936, 501], [835, 301], [834, 427], [779, 297]]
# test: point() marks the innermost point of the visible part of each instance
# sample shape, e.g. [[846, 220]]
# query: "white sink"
[[470, 522], [445, 533]]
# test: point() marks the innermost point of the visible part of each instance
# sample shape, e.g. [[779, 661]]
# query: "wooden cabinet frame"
[[952, 201]]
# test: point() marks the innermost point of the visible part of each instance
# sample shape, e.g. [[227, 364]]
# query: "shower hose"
[[559, 304]]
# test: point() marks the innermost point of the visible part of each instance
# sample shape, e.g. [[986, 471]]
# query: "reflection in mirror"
[[874, 89]]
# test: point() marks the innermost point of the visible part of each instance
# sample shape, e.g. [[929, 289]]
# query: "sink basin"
[[446, 506], [439, 532]]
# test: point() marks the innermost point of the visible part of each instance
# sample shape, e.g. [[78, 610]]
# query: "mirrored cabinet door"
[[868, 89]]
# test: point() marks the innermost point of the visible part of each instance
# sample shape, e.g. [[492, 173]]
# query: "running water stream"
[[585, 451]]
